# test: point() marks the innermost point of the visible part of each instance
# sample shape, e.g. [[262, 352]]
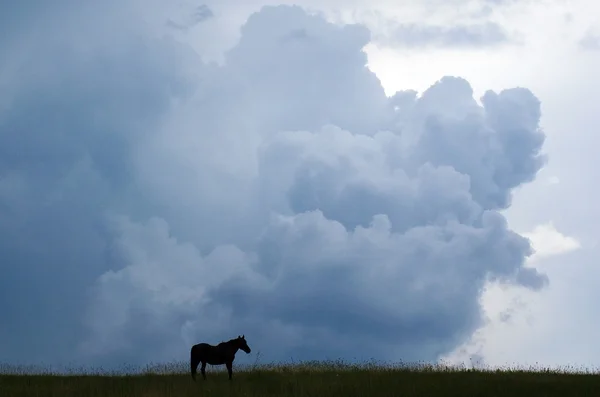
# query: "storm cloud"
[[149, 200]]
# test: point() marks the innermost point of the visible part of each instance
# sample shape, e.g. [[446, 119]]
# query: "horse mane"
[[227, 342]]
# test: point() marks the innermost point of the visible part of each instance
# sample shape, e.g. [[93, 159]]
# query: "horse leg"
[[229, 368], [194, 361], [203, 369]]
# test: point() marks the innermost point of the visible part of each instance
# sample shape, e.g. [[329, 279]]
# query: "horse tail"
[[194, 361]]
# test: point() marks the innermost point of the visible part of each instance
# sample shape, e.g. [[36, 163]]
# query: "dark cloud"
[[148, 199], [199, 14], [461, 36]]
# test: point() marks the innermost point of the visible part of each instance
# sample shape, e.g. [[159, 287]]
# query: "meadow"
[[314, 379]]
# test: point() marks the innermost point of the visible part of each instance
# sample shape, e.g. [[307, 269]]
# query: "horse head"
[[242, 345]]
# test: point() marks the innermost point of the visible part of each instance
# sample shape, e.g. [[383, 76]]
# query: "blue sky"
[[333, 180]]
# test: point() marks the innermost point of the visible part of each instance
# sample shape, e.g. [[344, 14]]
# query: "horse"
[[223, 353]]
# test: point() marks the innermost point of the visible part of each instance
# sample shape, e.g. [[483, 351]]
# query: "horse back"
[[213, 355]]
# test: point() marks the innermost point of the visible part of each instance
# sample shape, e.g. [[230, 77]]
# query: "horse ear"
[[243, 336]]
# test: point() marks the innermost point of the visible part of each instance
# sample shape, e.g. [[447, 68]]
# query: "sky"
[[355, 180]]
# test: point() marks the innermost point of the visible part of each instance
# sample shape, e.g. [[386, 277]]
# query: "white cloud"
[[547, 241]]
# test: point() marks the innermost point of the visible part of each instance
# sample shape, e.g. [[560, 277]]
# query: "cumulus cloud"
[[149, 199]]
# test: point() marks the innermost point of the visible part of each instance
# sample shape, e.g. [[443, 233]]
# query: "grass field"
[[303, 380]]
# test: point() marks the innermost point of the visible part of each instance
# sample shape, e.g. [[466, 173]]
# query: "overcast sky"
[[336, 179]]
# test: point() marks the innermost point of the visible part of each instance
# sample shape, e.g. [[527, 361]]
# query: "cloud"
[[590, 41], [149, 199], [547, 241], [460, 36], [200, 14]]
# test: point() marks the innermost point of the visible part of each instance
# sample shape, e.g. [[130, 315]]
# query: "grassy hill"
[[304, 380]]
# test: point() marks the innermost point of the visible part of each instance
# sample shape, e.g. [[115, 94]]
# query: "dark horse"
[[223, 353]]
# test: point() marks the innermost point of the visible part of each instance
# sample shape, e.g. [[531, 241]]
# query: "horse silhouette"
[[223, 353]]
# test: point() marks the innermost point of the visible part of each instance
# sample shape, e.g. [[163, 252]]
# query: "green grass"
[[303, 380]]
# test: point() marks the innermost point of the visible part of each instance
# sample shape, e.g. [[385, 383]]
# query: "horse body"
[[223, 353]]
